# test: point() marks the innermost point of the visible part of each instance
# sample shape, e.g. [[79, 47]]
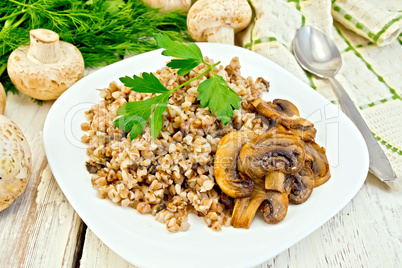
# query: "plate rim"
[[203, 46]]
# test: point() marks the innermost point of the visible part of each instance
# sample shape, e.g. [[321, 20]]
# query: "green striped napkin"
[[378, 21]]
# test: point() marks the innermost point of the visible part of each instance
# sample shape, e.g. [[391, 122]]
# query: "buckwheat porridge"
[[174, 175]]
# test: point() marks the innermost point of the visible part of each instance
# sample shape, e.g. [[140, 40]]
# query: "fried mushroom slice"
[[274, 206], [286, 115], [271, 156], [300, 186], [232, 183], [317, 160]]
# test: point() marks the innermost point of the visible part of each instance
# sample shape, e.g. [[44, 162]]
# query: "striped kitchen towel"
[[378, 21]]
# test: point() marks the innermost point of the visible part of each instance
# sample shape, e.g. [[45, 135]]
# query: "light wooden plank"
[[40, 229], [366, 233], [97, 254]]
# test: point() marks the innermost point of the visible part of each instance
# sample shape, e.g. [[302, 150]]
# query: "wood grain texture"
[[40, 229], [97, 254]]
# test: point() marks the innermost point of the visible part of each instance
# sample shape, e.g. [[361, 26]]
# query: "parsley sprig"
[[215, 93]]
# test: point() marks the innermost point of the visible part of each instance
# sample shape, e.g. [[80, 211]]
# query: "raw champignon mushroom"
[[169, 5], [225, 164], [47, 67], [272, 155], [2, 99], [218, 20], [318, 162], [286, 115], [274, 206], [15, 162], [299, 186]]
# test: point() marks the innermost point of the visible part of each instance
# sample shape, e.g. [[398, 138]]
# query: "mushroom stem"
[[224, 35], [44, 46], [274, 208], [274, 181], [244, 210]]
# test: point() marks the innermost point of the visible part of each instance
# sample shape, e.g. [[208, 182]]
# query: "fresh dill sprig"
[[103, 30]]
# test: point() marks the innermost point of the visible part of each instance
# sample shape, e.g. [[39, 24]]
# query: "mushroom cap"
[[15, 163], [225, 164], [2, 99], [275, 150], [207, 16], [299, 186], [45, 81], [169, 5], [316, 158], [286, 116]]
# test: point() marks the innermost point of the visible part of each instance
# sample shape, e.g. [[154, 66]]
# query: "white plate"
[[143, 241]]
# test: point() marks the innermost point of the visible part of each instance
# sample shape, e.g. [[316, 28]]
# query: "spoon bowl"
[[318, 54]]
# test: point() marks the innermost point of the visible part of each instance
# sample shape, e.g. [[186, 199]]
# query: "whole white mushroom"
[[218, 20], [2, 99], [169, 5], [47, 67], [15, 162]]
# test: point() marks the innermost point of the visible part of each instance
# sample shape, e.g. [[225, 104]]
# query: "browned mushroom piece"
[[299, 186], [231, 182], [307, 134], [286, 115], [271, 156], [317, 160], [274, 206]]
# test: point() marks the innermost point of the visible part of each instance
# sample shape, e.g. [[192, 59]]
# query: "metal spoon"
[[318, 54]]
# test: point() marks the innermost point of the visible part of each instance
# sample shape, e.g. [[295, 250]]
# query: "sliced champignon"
[[318, 162], [15, 162], [299, 186], [286, 115], [47, 67], [2, 99], [271, 156], [169, 5], [231, 182], [274, 206], [218, 20], [227, 200]]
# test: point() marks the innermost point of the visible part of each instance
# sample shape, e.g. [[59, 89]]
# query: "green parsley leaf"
[[176, 49], [156, 122], [136, 114], [219, 97], [184, 66], [148, 83], [189, 54]]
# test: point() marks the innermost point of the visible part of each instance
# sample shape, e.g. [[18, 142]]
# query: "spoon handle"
[[379, 163]]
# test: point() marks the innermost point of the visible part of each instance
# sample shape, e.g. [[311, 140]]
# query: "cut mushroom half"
[[286, 116], [273, 204], [272, 155], [299, 186], [317, 160], [218, 20], [225, 164]]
